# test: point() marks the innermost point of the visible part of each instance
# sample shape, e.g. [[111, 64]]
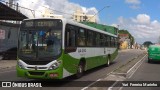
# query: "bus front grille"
[[38, 68], [36, 73], [36, 62]]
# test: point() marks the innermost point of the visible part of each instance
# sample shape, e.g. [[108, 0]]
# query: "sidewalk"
[[124, 50], [5, 64]]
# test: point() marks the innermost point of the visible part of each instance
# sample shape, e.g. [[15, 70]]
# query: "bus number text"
[[81, 50]]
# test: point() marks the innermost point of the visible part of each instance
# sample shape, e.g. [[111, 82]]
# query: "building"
[[80, 16], [9, 30], [49, 14], [124, 41]]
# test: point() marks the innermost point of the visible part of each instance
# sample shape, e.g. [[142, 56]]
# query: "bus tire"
[[80, 70], [149, 61]]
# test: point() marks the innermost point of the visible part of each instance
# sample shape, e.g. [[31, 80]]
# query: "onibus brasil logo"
[[20, 84]]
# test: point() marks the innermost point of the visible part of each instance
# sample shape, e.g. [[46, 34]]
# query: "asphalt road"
[[91, 75], [146, 72]]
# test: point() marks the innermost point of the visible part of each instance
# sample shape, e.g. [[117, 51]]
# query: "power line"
[[98, 12], [57, 10]]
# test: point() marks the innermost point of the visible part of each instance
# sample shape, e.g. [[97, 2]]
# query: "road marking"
[[90, 84], [137, 66], [120, 88], [110, 88], [135, 70], [96, 81]]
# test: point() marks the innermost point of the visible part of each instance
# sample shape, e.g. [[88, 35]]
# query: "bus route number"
[[81, 50]]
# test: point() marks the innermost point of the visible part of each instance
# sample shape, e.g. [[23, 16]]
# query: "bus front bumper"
[[40, 74]]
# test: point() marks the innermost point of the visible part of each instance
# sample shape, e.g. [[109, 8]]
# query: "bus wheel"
[[149, 61], [80, 70]]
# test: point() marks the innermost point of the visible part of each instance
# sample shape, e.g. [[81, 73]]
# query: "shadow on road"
[[152, 62]]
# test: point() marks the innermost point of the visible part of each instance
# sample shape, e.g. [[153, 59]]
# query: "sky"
[[140, 17]]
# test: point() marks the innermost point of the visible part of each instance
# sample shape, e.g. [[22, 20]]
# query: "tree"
[[147, 43], [130, 36]]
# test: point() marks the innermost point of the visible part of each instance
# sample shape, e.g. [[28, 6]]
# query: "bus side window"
[[112, 42], [102, 40], [97, 40], [70, 37], [108, 41], [116, 42], [81, 37], [90, 40]]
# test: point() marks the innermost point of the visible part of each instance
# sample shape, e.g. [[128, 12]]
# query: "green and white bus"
[[57, 48]]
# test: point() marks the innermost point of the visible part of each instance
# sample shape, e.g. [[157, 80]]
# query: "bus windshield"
[[39, 41]]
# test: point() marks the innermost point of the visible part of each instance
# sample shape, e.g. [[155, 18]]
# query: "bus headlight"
[[55, 65], [20, 64]]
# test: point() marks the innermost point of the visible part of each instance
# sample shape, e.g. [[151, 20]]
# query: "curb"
[[131, 70], [129, 73], [134, 68]]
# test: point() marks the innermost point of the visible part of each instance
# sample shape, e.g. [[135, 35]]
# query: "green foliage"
[[130, 36], [147, 43]]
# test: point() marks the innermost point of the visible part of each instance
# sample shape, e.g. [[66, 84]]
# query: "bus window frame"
[[85, 37], [68, 48]]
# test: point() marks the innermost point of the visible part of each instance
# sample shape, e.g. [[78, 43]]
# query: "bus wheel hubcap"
[[80, 69], [108, 62]]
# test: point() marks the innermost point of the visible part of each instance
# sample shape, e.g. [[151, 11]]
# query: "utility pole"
[[85, 17], [10, 3]]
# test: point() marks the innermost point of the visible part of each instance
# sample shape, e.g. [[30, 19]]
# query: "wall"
[[11, 35]]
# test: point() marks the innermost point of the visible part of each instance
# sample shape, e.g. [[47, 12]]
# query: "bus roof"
[[107, 28], [88, 27]]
